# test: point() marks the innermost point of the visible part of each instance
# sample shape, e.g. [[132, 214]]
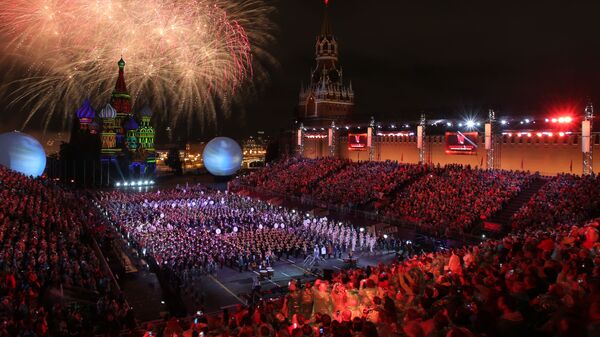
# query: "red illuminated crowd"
[[364, 183], [565, 199], [543, 279], [437, 199], [294, 176], [536, 283], [452, 198], [46, 252]]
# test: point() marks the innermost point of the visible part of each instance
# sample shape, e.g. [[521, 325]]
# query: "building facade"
[[327, 98], [327, 124], [127, 139]]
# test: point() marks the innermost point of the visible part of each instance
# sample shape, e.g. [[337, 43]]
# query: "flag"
[[481, 162], [521, 163]]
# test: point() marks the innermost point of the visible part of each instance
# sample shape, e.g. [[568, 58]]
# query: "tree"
[[174, 161]]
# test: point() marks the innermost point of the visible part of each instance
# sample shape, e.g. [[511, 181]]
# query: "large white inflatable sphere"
[[22, 153], [222, 156]]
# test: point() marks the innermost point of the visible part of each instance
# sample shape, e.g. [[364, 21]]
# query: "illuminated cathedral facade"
[[126, 139]]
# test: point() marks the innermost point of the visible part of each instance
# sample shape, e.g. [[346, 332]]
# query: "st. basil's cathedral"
[[126, 140]]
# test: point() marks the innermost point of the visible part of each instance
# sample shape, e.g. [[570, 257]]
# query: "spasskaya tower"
[[327, 98]]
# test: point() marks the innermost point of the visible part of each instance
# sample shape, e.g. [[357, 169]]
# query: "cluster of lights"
[[539, 134], [134, 183], [526, 121], [559, 120], [255, 151], [193, 157], [396, 134], [316, 136], [469, 123]]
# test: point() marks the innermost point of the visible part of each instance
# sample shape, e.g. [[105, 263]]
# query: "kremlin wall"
[[326, 120], [548, 156]]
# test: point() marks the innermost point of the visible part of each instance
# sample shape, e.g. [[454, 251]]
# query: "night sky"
[[446, 58]]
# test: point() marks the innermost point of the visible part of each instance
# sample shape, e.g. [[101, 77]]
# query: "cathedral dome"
[[108, 112], [146, 111], [131, 124], [86, 111]]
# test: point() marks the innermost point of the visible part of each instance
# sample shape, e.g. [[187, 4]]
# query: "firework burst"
[[187, 58]]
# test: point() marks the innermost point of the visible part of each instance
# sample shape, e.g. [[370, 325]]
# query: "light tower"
[[370, 143], [421, 138], [300, 141], [332, 139], [586, 139], [489, 139]]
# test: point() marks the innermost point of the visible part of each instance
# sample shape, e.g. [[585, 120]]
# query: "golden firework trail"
[[186, 58]]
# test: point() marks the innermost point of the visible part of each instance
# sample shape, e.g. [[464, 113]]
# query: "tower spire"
[[121, 100], [326, 29]]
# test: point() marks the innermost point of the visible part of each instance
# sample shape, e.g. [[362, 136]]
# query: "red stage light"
[[562, 119]]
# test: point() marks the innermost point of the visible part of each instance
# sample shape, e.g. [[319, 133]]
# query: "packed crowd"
[[565, 199], [541, 280], [334, 181], [535, 283], [364, 183], [439, 199], [452, 198], [45, 253], [293, 176], [220, 229]]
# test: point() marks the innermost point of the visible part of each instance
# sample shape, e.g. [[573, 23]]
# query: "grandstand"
[[104, 259]]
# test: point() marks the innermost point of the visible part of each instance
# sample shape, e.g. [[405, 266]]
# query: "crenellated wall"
[[548, 156]]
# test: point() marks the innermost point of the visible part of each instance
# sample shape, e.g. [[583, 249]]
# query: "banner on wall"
[[586, 131], [461, 143], [419, 137], [488, 136], [357, 141], [299, 143], [330, 137]]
